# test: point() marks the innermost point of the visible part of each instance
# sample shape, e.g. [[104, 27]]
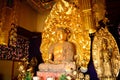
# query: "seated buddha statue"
[[61, 54]]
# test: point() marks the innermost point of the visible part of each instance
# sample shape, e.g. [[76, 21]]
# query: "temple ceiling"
[[112, 7], [41, 5]]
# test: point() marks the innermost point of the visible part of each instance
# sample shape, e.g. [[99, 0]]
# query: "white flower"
[[74, 72], [69, 77]]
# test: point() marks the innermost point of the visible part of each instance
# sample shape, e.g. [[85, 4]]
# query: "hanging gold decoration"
[[8, 17], [105, 55]]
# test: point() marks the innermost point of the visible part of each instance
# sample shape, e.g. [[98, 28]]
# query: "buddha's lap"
[[57, 67]]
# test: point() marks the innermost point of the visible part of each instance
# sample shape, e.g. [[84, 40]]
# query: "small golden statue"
[[22, 69], [26, 69]]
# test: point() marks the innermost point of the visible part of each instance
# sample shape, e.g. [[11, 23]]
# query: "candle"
[[36, 78], [50, 78]]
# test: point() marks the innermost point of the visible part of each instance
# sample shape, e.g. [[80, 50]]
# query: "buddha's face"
[[61, 35]]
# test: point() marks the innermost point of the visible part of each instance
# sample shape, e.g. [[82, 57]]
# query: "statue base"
[[64, 67], [44, 75], [47, 70]]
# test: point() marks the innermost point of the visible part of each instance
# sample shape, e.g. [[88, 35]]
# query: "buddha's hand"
[[50, 61], [57, 62]]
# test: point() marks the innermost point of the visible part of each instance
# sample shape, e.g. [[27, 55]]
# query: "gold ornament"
[[26, 68]]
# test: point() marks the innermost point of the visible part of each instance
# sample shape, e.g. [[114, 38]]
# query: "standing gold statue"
[[105, 55]]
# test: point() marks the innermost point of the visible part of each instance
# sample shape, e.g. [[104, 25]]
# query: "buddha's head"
[[61, 34]]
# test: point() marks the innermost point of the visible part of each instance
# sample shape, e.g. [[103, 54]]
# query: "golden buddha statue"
[[62, 50], [67, 14], [61, 54]]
